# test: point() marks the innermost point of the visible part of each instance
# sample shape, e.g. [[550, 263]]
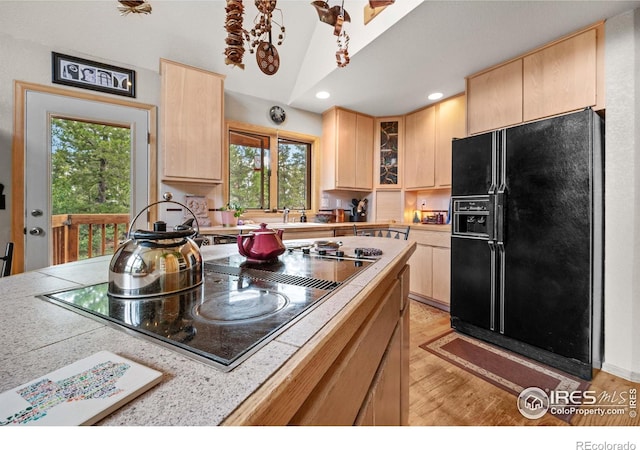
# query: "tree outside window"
[[251, 166]]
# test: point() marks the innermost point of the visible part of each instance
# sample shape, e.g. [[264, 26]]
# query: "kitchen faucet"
[[285, 215]]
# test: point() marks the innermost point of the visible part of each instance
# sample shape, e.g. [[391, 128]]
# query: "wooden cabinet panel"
[[431, 238], [561, 77], [192, 119], [386, 391], [339, 396], [364, 152], [421, 263], [420, 145], [389, 206], [450, 124], [347, 150], [441, 275], [431, 266], [494, 98]]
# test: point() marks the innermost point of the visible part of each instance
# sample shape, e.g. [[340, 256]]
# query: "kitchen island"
[[344, 362]]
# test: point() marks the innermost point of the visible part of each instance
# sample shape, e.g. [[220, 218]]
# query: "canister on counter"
[[339, 215]]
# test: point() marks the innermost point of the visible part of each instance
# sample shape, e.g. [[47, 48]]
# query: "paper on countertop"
[[78, 394]]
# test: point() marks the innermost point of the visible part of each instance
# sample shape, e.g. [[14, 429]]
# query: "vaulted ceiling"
[[409, 50]]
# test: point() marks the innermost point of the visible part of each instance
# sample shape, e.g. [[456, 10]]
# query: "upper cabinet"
[[192, 117], [563, 76], [494, 98], [428, 136], [347, 150], [420, 148], [389, 143]]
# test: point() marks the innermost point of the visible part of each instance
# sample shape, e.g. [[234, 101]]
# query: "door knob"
[[36, 212], [36, 231]]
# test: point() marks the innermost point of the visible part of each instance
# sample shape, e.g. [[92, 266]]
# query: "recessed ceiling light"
[[323, 95], [435, 96]]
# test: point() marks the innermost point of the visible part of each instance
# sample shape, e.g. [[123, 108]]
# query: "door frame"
[[18, 155]]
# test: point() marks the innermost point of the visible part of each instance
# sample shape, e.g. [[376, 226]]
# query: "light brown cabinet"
[[428, 135], [192, 117], [420, 149], [563, 76], [347, 150], [431, 267], [494, 98], [450, 123]]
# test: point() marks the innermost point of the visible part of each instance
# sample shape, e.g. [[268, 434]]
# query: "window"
[[255, 157], [249, 170], [294, 174]]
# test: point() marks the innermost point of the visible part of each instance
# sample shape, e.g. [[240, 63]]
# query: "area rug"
[[502, 368]]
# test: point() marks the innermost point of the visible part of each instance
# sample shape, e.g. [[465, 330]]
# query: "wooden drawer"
[[431, 238]]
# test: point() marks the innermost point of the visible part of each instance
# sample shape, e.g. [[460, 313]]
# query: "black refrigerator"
[[527, 239]]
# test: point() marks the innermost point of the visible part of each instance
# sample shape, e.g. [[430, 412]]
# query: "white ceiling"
[[431, 46]]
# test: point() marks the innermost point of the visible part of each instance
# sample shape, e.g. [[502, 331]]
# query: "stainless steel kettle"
[[158, 262]]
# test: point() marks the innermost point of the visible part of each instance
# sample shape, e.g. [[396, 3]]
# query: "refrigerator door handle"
[[491, 231], [494, 280], [494, 163], [500, 279], [500, 218]]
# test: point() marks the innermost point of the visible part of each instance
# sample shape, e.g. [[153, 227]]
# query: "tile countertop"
[[302, 226], [39, 337]]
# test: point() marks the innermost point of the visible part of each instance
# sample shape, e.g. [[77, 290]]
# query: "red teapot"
[[262, 245]]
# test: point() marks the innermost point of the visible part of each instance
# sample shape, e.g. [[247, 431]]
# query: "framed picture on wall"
[[82, 73]]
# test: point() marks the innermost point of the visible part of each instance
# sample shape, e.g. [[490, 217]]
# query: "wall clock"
[[277, 114]]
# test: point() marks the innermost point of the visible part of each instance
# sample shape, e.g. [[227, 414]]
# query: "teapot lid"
[[264, 230]]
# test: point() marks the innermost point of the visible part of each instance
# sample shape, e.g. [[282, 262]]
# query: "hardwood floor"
[[442, 394]]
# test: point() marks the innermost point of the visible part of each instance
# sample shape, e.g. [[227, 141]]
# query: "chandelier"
[[260, 38]]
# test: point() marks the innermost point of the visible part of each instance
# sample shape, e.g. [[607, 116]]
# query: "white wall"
[[622, 192], [31, 62]]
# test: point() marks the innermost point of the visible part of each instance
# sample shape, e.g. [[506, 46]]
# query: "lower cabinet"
[[365, 384], [391, 382], [431, 267], [355, 372]]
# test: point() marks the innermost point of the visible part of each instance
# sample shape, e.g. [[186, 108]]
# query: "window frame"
[[274, 136]]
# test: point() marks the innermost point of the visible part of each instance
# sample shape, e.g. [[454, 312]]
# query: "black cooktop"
[[239, 307]]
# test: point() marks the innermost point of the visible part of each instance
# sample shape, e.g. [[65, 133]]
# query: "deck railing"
[[81, 236]]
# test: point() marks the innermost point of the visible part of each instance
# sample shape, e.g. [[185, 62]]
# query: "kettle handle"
[[168, 200], [241, 238]]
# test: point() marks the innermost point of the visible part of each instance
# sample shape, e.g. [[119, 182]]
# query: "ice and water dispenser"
[[471, 216]]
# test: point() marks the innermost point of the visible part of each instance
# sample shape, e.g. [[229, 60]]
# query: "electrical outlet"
[[338, 203], [324, 202]]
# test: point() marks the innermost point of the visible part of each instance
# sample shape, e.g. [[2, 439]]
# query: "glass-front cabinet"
[[389, 144]]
